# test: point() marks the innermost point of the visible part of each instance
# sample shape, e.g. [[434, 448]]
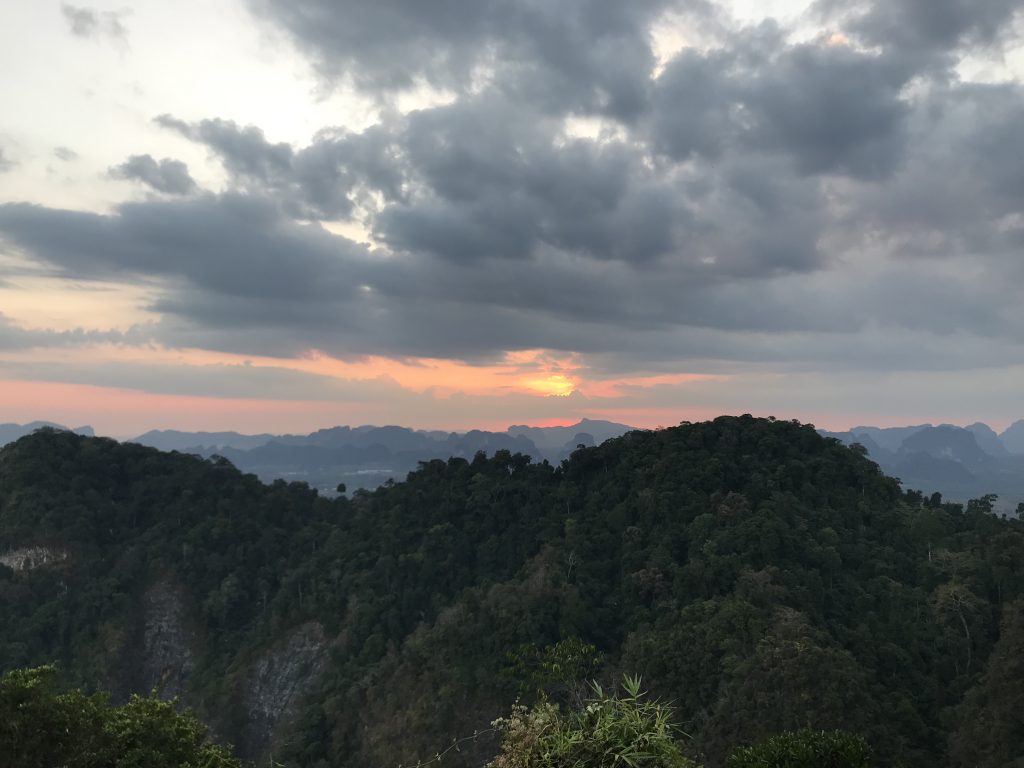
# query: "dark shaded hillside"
[[760, 576]]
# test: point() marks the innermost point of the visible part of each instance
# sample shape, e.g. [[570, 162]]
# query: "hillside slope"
[[758, 575]]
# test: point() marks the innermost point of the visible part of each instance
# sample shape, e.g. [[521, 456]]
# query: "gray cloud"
[[322, 181], [168, 176], [921, 30], [486, 180], [234, 245], [5, 163], [832, 109], [89, 23], [65, 154], [217, 380], [587, 55], [14, 337], [959, 192], [234, 273], [758, 201]]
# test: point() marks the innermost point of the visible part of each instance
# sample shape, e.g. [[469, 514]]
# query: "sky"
[[281, 215]]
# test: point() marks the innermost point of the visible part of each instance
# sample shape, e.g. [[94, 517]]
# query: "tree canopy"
[[760, 577], [41, 727]]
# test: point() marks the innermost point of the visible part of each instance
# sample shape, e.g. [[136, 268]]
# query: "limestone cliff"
[[277, 682]]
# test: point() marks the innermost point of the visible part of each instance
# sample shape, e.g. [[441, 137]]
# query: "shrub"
[[805, 749], [609, 731]]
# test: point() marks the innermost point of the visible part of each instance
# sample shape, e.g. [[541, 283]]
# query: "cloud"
[[168, 176], [830, 109], [15, 337], [65, 154], [211, 380], [6, 164], [236, 245], [486, 180], [921, 31], [322, 181], [584, 55], [234, 273], [87, 22], [758, 199]]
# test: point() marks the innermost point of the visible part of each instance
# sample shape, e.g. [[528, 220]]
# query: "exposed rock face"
[[276, 683], [27, 558], [168, 643]]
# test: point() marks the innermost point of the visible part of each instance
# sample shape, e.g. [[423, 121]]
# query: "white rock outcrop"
[[27, 558]]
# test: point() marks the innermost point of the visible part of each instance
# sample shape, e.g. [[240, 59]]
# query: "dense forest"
[[760, 578]]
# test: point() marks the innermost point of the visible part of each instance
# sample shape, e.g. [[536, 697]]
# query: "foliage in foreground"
[[805, 749], [41, 728], [610, 730]]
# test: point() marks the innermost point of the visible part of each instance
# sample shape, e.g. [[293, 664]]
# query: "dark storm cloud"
[[487, 180], [959, 194], [280, 288], [832, 109], [168, 176], [923, 29], [484, 179], [88, 22], [693, 106], [233, 245], [589, 55], [234, 273], [321, 181]]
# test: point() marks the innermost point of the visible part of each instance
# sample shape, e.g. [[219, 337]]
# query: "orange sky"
[[536, 381]]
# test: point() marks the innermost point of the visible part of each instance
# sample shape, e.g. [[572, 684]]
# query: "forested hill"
[[758, 575]]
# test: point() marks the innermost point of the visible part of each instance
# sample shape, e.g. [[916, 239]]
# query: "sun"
[[555, 385]]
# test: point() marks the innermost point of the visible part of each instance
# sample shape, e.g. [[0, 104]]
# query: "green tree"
[[611, 730], [796, 678], [41, 728], [991, 718], [805, 749], [556, 672]]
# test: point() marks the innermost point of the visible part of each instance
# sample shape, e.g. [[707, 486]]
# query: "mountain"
[[759, 576], [175, 440], [948, 442], [988, 440], [365, 457], [961, 463], [888, 438], [11, 432], [559, 437], [1013, 438]]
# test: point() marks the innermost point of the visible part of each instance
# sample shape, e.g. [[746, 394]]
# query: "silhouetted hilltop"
[[11, 432]]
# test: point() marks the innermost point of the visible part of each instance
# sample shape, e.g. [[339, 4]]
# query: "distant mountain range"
[[365, 457], [11, 432], [958, 462]]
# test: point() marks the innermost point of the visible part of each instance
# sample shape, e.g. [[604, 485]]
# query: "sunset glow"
[[555, 385]]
